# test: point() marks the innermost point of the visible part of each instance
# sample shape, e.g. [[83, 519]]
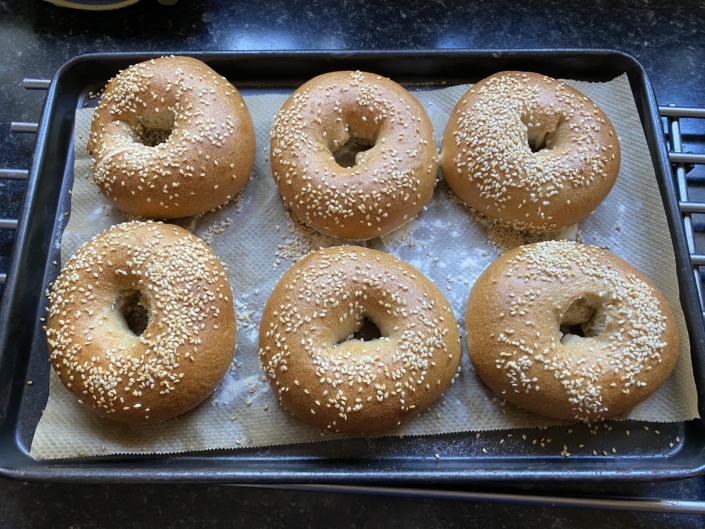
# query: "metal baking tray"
[[676, 451]]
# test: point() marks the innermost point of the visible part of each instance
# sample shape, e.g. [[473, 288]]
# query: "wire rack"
[[682, 163]]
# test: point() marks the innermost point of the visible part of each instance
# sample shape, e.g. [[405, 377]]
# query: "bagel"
[[529, 152], [345, 385], [336, 116], [569, 331], [171, 138], [172, 282]]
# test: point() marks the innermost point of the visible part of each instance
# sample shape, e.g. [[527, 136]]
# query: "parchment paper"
[[257, 240]]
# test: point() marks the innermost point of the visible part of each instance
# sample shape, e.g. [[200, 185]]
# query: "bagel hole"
[[367, 332], [538, 137], [573, 330], [136, 315], [583, 319], [537, 142], [346, 154], [155, 129]]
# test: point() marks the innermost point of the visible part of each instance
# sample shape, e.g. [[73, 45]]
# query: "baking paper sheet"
[[257, 240]]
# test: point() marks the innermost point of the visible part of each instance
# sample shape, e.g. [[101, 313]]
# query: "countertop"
[[36, 38]]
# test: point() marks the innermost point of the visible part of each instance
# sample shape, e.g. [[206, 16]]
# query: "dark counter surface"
[[36, 38]]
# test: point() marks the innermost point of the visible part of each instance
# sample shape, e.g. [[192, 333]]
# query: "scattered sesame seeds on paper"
[[257, 240]]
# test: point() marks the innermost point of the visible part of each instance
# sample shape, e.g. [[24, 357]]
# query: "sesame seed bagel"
[[340, 113], [529, 151], [209, 149], [180, 288], [355, 386], [569, 331]]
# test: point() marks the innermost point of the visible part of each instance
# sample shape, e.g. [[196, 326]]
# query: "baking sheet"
[[244, 412]]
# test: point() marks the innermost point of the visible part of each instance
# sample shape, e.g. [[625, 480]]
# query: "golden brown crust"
[[389, 184], [354, 386], [187, 346], [488, 161], [513, 320], [205, 161]]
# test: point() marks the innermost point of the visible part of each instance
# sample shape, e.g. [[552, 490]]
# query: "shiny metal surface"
[[23, 126], [35, 84], [14, 174], [654, 505]]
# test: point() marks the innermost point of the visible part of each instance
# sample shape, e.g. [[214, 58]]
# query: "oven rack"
[[681, 163]]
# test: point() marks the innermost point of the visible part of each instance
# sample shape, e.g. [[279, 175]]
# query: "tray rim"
[[112, 471]]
